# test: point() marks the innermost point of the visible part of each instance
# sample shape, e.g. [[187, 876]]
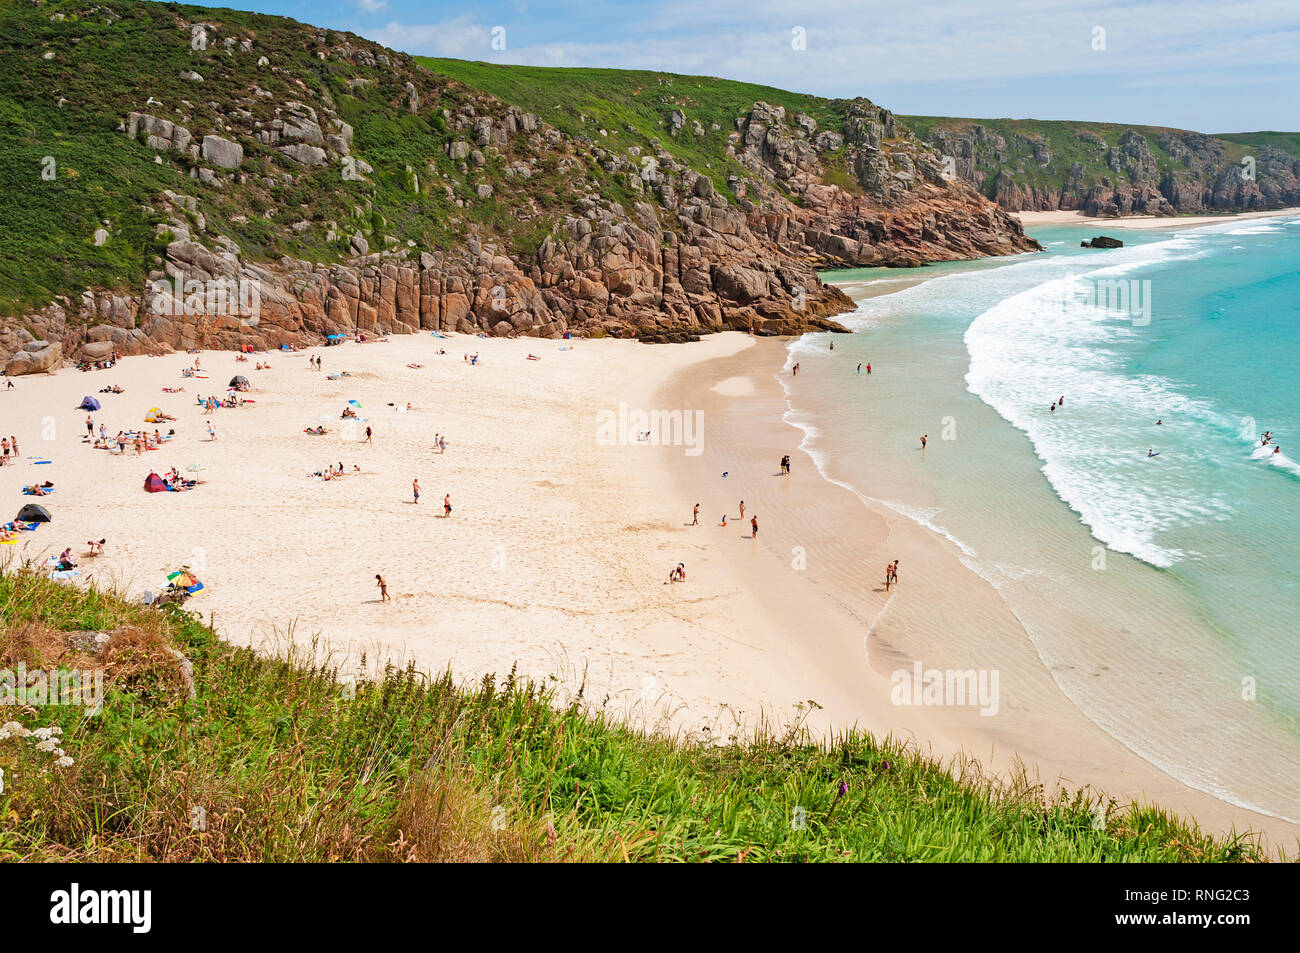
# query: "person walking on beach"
[[446, 506], [695, 515], [442, 444], [889, 575], [893, 572], [753, 527], [212, 431], [742, 509], [924, 438], [415, 489], [383, 588], [369, 436], [785, 465]]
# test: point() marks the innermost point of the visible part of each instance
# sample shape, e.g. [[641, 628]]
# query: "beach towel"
[[27, 491], [64, 573], [40, 462]]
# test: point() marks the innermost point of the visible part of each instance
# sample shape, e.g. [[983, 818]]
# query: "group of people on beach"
[[8, 445]]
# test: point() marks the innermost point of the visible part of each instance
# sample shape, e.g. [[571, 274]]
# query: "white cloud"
[[371, 6]]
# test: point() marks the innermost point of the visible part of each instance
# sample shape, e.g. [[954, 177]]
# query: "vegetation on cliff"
[[1115, 169], [368, 191]]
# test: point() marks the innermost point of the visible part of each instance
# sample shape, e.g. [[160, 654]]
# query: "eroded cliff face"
[[630, 242], [1157, 172]]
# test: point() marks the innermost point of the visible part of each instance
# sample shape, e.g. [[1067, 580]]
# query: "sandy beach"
[[562, 535], [1075, 217]]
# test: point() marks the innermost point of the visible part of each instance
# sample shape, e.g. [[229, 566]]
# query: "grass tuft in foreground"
[[282, 759]]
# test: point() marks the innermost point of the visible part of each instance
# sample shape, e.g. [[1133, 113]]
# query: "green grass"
[[276, 760], [1286, 141], [582, 102], [1062, 137]]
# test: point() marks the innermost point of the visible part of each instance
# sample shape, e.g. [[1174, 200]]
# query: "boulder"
[[35, 357], [222, 152], [1102, 241]]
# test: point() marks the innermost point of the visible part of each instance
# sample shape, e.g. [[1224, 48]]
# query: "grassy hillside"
[[1286, 141], [635, 106], [279, 760], [1063, 139]]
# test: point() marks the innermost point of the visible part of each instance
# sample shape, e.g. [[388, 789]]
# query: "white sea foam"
[[1027, 349]]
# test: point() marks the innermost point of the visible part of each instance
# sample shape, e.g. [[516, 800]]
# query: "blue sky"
[[1196, 64]]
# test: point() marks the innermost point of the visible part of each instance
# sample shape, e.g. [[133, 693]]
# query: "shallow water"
[[1162, 592]]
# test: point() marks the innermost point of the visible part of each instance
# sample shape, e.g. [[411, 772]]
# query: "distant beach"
[[1075, 217]]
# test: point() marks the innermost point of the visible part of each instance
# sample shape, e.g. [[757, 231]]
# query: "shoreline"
[[559, 547], [1075, 217], [838, 530]]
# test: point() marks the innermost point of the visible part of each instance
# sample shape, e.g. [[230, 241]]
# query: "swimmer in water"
[[1159, 422], [1152, 453]]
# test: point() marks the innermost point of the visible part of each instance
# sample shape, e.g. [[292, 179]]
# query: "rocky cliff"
[[278, 183], [1112, 170]]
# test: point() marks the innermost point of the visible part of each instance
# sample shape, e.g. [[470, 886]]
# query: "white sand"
[[559, 546], [1064, 217]]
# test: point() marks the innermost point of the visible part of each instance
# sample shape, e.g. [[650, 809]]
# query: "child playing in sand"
[[383, 588]]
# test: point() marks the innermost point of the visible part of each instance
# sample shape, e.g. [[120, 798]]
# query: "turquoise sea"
[[1162, 592]]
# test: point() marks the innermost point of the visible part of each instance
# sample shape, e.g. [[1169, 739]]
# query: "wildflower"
[[49, 744], [64, 762], [42, 734], [844, 789]]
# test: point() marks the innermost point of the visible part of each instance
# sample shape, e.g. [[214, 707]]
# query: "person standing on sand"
[[369, 435], [442, 444], [212, 431], [695, 515], [415, 489], [446, 507], [785, 465], [753, 527], [742, 509], [383, 588], [14, 443], [90, 426], [889, 575], [924, 438], [893, 572]]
